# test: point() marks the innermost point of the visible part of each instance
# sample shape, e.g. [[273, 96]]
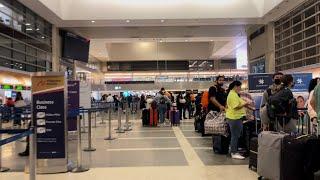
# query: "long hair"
[[232, 85], [313, 83], [18, 97]]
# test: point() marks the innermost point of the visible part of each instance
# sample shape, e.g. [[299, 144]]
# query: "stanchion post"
[[2, 169], [95, 118], [89, 148], [119, 129], [79, 167], [127, 125], [102, 120], [83, 130], [110, 133], [33, 154]]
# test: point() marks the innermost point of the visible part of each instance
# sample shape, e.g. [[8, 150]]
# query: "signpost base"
[[79, 169], [4, 169], [109, 138]]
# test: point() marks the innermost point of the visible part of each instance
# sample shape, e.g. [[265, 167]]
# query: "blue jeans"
[[162, 109], [235, 129]]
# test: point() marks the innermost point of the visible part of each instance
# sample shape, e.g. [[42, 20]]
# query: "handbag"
[[20, 103], [216, 124]]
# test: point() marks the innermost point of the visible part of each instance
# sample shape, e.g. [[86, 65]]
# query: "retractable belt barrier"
[[22, 134]]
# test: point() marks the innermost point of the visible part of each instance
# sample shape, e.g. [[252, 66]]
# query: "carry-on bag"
[[216, 124], [174, 117], [281, 156], [221, 144], [253, 154], [154, 117], [145, 117]]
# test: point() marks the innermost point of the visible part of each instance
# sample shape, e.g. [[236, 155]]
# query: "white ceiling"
[[220, 23], [158, 9]]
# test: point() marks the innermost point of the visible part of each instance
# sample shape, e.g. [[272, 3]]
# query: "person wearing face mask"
[[274, 88], [217, 95], [286, 112]]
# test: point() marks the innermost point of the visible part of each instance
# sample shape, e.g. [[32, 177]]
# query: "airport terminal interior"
[[159, 89]]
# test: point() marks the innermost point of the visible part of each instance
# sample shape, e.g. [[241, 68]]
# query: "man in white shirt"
[[110, 99]]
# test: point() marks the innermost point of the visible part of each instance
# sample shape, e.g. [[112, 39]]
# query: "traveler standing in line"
[[312, 111], [217, 95], [289, 105], [142, 102], [188, 105], [274, 88], [162, 102], [181, 105], [235, 113], [19, 104]]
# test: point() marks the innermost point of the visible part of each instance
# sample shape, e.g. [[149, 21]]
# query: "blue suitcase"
[[175, 117]]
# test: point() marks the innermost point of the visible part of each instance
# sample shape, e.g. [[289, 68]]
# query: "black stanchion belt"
[[16, 137]]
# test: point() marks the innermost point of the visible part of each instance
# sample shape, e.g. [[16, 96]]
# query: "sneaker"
[[237, 156]]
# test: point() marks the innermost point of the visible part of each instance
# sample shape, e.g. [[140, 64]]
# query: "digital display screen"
[[20, 88], [6, 87]]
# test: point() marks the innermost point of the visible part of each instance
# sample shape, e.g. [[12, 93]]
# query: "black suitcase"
[[253, 154], [221, 144], [145, 117]]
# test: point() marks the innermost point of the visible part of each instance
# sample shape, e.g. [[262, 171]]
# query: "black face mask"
[[277, 81], [220, 84]]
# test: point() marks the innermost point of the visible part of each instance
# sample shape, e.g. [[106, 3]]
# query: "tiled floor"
[[143, 153]]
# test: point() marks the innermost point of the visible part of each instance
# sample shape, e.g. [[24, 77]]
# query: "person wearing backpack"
[[274, 88], [217, 96], [181, 105], [162, 102], [282, 106]]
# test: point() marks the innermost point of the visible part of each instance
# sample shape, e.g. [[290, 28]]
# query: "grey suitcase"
[[269, 154]]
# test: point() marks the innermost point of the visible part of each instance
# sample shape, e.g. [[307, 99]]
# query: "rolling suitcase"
[[154, 117], [174, 117], [276, 154], [145, 117], [221, 144], [253, 154]]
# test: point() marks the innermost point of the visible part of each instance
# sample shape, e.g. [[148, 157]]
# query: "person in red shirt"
[[9, 102]]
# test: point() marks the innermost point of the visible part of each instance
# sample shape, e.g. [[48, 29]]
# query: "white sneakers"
[[237, 156]]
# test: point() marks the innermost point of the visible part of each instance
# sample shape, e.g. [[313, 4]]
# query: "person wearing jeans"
[[162, 103], [234, 114]]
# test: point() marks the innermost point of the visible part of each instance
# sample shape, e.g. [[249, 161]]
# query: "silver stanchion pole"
[[110, 133], [32, 157], [95, 118], [79, 167], [89, 148], [102, 119], [119, 129], [83, 130], [127, 125], [2, 169]]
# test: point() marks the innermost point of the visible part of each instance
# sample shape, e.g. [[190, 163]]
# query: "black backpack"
[[281, 104]]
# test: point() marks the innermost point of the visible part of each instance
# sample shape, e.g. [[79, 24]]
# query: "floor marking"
[[145, 149], [197, 137], [202, 148], [160, 130], [137, 138], [190, 154]]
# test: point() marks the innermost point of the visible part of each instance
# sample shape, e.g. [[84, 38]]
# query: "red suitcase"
[[153, 117]]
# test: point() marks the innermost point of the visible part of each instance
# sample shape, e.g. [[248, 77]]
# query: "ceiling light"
[[186, 40], [211, 40], [29, 29], [38, 29], [28, 24], [93, 21], [162, 20], [127, 21], [42, 37], [1, 5], [161, 41]]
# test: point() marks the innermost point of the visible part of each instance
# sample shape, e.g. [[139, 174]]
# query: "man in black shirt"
[[217, 95]]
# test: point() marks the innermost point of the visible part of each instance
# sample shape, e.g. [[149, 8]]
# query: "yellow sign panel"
[[47, 83]]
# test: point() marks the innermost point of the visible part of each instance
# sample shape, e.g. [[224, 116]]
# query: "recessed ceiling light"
[[211, 40], [42, 37], [162, 20], [38, 29], [161, 41], [93, 21], [127, 21], [29, 29], [1, 5], [28, 24], [186, 40]]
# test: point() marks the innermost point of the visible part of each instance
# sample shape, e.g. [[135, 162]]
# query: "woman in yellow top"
[[235, 112]]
